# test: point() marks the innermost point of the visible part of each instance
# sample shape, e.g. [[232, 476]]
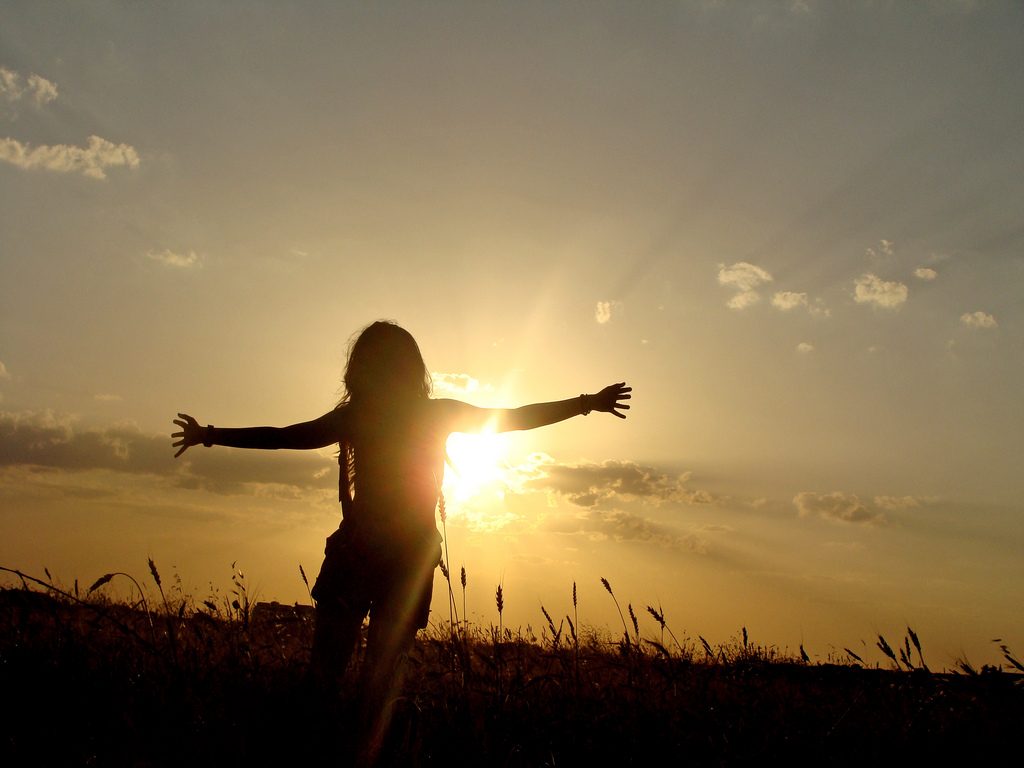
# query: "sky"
[[795, 228]]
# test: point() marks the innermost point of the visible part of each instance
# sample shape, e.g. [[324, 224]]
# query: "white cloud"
[[745, 278], [455, 384], [837, 505], [36, 88], [871, 289], [978, 320], [91, 160], [743, 299], [43, 91], [3, 371], [804, 347], [742, 275], [604, 310], [925, 273], [787, 300]]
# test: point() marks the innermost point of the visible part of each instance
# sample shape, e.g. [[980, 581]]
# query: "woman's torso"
[[398, 455]]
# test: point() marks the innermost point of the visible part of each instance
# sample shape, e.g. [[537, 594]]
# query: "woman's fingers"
[[187, 424]]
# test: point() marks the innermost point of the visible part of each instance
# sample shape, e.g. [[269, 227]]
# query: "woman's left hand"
[[609, 399]]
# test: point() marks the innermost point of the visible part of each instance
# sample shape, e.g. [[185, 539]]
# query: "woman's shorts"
[[391, 578]]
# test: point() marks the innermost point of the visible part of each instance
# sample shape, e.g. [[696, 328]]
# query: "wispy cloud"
[[925, 273], [604, 311], [92, 160], [846, 507], [804, 347], [618, 525], [881, 252], [898, 503], [169, 258], [871, 289], [744, 278], [34, 88], [979, 320], [4, 374]]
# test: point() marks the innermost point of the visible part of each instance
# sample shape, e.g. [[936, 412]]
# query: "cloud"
[[35, 88], [925, 273], [4, 374], [871, 289], [169, 258], [978, 320], [604, 310], [744, 278], [837, 505], [743, 299], [622, 526], [787, 300], [91, 160], [48, 440], [456, 384], [881, 252], [606, 484], [804, 347], [897, 503], [104, 397], [742, 275]]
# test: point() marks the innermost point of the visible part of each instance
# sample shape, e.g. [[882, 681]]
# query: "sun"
[[477, 465]]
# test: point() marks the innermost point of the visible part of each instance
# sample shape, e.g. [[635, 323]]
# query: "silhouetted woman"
[[391, 436]]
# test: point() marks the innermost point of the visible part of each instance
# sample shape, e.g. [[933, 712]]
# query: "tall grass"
[[172, 679]]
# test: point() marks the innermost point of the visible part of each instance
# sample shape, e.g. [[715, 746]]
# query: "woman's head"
[[384, 363]]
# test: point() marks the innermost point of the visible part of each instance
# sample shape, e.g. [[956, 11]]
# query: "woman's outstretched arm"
[[308, 434], [469, 418]]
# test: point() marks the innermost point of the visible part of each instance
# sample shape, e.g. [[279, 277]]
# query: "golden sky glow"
[[792, 227]]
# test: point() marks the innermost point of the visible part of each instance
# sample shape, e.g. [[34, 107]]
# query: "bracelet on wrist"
[[584, 411], [208, 436]]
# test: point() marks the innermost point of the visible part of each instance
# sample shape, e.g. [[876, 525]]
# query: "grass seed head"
[[658, 617], [100, 582]]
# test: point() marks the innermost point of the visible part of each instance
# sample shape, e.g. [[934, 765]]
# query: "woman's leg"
[[394, 621], [335, 637]]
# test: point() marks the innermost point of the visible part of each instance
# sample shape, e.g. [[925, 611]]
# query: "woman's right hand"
[[191, 433]]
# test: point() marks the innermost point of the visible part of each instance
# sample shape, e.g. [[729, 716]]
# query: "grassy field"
[[170, 681]]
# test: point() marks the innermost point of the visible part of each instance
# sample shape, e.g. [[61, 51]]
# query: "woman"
[[391, 436]]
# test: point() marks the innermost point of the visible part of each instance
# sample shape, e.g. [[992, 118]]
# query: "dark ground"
[[100, 684]]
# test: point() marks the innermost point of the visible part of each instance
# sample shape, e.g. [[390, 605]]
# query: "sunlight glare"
[[477, 466]]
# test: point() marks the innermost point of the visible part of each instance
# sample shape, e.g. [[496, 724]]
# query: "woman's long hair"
[[385, 369]]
